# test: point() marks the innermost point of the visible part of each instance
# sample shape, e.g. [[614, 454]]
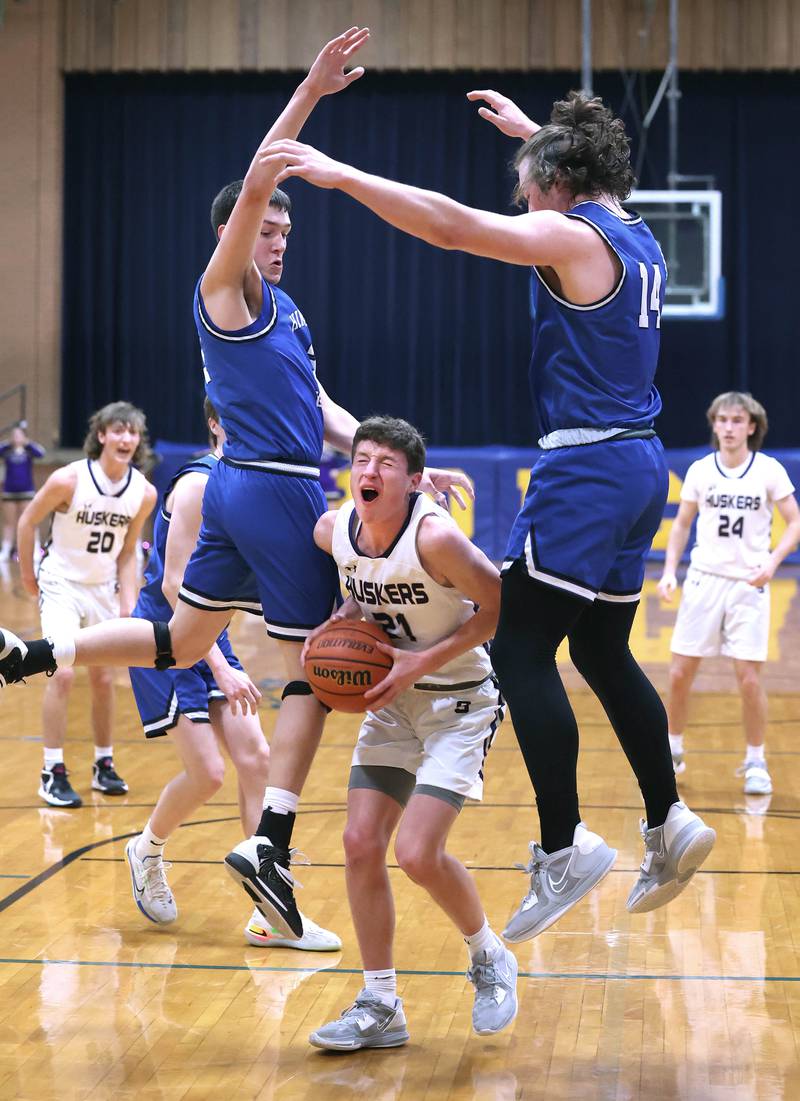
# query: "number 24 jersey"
[[734, 512]]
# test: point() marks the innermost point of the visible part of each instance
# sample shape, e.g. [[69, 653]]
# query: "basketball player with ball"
[[431, 720]]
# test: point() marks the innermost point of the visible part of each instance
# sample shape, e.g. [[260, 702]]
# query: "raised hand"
[[327, 75], [504, 114], [293, 158]]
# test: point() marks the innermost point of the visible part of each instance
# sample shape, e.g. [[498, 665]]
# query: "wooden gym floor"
[[699, 1000]]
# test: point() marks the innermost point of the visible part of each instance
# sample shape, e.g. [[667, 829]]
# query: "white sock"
[[280, 801], [755, 755], [485, 940], [63, 649], [53, 757], [103, 751], [383, 983], [676, 743], [148, 844]]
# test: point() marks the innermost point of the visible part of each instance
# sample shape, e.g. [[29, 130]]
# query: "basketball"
[[343, 662]]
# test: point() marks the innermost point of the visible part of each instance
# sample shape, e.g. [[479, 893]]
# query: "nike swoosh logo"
[[272, 895], [559, 884]]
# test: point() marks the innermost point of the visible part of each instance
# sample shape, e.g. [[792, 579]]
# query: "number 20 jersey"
[[593, 366], [85, 541], [396, 592], [734, 512]]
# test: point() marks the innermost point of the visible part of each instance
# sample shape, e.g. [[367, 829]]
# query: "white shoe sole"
[[379, 1042], [54, 801], [689, 861], [302, 944]]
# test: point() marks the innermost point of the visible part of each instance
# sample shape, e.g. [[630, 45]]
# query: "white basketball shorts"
[[441, 739], [69, 605], [721, 615]]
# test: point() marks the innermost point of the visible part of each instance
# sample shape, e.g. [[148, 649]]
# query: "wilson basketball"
[[343, 662]]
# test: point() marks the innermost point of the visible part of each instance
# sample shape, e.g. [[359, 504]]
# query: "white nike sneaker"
[[672, 854], [314, 939], [151, 891], [368, 1022], [558, 881], [757, 780]]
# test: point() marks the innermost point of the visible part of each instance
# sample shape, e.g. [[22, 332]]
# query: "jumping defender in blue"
[[576, 555], [256, 550]]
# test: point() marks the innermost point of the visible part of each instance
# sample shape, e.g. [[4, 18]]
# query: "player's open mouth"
[[369, 495]]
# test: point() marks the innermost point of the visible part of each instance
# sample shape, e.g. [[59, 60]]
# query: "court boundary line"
[[586, 976]]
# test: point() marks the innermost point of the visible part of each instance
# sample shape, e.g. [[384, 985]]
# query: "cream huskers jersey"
[[396, 592], [735, 512], [85, 541]]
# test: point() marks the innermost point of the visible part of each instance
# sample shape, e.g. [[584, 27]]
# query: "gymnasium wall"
[[439, 337], [41, 39]]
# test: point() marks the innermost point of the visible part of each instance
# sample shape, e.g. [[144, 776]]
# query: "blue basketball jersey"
[[151, 603], [593, 366], [262, 381]]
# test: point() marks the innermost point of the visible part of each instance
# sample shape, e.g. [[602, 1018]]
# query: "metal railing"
[[20, 392]]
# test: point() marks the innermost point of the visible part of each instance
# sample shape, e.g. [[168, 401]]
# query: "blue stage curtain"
[[441, 338]]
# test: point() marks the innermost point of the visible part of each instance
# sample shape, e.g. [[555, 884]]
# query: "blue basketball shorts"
[[589, 517], [162, 696], [256, 551]]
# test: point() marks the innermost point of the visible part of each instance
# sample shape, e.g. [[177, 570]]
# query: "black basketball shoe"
[[263, 871], [12, 653], [56, 789], [105, 778]]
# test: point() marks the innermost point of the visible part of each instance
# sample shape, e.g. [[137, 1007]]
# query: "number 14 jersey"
[[734, 512], [86, 539], [397, 593]]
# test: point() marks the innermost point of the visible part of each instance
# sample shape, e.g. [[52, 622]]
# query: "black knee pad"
[[164, 659], [300, 688]]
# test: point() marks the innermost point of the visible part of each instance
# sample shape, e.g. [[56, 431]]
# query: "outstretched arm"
[[233, 258], [543, 237]]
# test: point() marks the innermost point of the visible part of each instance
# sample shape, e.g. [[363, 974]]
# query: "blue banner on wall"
[[500, 475]]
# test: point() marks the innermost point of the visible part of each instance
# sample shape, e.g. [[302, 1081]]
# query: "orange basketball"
[[343, 662]]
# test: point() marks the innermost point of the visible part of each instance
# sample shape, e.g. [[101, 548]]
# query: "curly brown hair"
[[118, 412], [584, 148]]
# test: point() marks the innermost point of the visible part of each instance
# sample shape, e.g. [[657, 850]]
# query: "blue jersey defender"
[[162, 696], [602, 477]]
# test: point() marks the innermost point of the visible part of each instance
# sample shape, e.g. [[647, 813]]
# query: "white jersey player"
[[87, 575], [725, 604], [430, 723]]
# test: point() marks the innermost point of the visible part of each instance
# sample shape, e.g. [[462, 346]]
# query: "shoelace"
[[483, 975], [533, 868], [746, 765], [155, 881], [296, 859]]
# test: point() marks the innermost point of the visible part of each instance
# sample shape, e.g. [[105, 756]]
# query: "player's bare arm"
[[503, 113], [790, 513], [451, 559], [185, 505], [339, 426], [54, 496], [231, 285], [543, 238], [676, 545], [126, 561]]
